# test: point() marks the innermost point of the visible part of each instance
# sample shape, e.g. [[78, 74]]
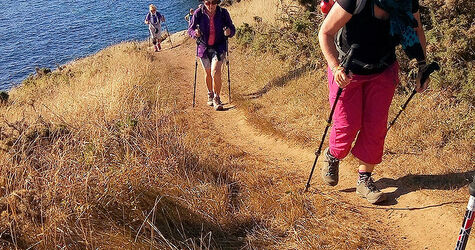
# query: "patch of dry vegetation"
[[94, 156], [85, 152], [245, 10], [102, 154]]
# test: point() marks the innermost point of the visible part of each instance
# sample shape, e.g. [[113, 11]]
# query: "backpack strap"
[[198, 15], [359, 6]]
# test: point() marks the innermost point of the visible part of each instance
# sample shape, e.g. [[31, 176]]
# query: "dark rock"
[[42, 71], [4, 97]]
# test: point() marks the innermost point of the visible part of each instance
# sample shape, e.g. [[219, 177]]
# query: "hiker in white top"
[[154, 20]]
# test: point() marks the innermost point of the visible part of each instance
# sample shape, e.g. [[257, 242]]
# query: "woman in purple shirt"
[[211, 25], [154, 20]]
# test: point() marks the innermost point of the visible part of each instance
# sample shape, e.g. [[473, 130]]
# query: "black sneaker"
[[330, 168]]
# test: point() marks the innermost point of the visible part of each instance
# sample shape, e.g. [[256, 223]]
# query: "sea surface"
[[47, 33]]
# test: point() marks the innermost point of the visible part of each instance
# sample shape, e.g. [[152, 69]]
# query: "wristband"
[[338, 67]]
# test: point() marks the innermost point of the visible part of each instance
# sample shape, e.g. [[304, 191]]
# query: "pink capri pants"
[[363, 107]]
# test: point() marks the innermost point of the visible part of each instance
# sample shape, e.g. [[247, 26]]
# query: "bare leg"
[[365, 167], [208, 80], [216, 71]]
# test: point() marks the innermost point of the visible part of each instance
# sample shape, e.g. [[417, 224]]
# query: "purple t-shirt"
[[154, 18]]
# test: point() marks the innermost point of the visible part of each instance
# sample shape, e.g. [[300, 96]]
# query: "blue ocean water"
[[47, 33]]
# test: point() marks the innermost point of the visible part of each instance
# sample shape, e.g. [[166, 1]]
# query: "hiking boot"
[[330, 168], [217, 103], [210, 99], [367, 189]]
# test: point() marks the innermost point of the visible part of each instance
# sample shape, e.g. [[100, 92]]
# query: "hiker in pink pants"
[[363, 107], [361, 112]]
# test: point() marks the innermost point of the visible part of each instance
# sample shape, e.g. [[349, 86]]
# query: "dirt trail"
[[420, 222]]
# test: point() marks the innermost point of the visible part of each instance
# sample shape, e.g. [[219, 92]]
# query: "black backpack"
[[360, 4]]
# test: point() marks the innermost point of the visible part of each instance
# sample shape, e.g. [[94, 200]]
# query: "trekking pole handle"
[[433, 66], [347, 61], [198, 38], [224, 30]]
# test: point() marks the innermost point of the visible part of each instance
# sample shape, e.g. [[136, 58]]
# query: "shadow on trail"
[[382, 206], [280, 81], [411, 183], [228, 108]]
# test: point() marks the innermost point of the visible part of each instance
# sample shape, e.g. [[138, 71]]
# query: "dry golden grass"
[[92, 156], [100, 155], [103, 155], [246, 10], [82, 146]]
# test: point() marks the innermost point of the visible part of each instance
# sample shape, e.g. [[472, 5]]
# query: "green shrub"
[[451, 39], [310, 5], [244, 35], [295, 38], [448, 27]]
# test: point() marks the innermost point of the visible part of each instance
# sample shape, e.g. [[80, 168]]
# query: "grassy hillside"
[[106, 153]]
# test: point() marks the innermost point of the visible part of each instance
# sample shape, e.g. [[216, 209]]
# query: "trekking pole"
[[169, 37], [346, 63], [227, 63], [468, 220], [196, 67], [430, 68]]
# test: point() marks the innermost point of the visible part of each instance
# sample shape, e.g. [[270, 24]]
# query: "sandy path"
[[420, 222]]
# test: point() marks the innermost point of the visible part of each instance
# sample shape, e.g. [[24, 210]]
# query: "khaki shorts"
[[208, 59]]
